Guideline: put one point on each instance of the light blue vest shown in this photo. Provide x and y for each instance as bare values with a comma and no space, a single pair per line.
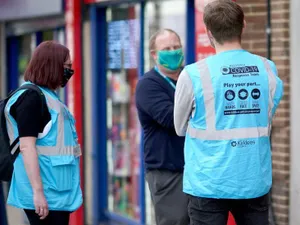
227,145
58,154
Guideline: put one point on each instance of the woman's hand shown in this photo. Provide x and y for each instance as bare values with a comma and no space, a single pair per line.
40,204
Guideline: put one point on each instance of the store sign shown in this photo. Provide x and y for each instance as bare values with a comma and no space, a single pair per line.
23,9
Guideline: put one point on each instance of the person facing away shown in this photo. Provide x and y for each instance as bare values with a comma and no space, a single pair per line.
163,149
224,107
46,177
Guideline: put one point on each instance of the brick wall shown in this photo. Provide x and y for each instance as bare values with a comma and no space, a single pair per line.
254,40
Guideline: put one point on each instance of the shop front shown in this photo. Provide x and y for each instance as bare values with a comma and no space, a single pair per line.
117,56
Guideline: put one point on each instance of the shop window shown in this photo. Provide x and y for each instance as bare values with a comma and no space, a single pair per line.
123,144
48,35
26,47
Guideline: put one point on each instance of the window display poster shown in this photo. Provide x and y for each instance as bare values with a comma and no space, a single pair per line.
203,47
114,44
123,41
120,89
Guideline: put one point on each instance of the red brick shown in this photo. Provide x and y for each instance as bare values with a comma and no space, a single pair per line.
255,18
280,15
279,7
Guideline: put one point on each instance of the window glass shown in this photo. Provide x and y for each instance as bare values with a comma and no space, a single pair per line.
123,144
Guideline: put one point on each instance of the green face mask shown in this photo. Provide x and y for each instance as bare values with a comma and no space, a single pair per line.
170,59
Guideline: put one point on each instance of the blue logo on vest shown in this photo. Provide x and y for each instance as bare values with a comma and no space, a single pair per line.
238,69
225,70
243,94
255,94
229,95
242,144
233,144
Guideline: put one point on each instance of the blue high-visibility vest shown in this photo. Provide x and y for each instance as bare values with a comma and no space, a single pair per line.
58,154
227,145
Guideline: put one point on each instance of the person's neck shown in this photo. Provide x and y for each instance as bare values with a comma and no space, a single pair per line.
228,46
171,74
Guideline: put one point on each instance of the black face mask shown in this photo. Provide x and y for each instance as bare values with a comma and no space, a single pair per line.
68,73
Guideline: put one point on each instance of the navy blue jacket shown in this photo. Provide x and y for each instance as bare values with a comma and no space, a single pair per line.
163,149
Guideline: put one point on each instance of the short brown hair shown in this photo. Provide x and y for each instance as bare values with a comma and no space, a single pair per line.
46,67
224,19
152,42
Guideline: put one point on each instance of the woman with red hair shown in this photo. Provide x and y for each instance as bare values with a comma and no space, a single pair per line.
46,179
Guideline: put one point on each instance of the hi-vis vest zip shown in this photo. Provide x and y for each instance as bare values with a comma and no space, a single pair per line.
58,153
227,146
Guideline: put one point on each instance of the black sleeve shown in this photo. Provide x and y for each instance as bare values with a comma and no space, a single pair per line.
152,99
27,111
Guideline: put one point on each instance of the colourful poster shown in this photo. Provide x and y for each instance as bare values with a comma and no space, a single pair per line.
203,47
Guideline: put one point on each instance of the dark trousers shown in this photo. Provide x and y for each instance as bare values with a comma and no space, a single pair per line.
54,218
3,217
170,203
208,211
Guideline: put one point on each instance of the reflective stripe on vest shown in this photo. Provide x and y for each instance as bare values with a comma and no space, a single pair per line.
210,133
60,148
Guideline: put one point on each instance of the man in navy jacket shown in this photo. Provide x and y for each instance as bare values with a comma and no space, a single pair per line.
164,160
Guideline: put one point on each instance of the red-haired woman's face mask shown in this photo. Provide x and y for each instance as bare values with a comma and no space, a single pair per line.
68,73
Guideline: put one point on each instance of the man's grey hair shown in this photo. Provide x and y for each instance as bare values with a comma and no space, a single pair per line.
152,42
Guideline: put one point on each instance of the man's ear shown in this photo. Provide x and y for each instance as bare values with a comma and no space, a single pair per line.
207,31
244,27
210,37
154,55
